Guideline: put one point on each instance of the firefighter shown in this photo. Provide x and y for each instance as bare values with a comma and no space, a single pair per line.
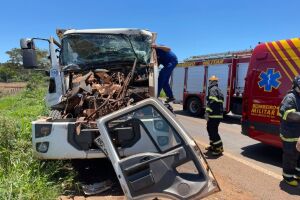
289,133
169,60
214,113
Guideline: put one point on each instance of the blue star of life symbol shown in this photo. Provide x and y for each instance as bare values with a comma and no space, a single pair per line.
269,80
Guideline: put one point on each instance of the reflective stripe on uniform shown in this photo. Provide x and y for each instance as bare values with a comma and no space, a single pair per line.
217,142
215,116
288,139
298,169
215,99
219,149
208,109
287,112
288,175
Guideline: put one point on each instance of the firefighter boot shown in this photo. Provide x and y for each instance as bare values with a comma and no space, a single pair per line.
297,176
210,147
217,151
171,99
292,182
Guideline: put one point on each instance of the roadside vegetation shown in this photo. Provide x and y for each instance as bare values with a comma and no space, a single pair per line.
12,70
21,175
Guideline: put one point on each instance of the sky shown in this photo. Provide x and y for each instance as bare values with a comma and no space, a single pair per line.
189,27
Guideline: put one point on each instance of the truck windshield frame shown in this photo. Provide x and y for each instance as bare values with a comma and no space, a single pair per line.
87,49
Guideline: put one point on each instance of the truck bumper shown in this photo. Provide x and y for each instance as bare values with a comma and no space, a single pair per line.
56,144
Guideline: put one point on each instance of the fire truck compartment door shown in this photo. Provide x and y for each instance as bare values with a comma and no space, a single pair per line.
178,83
169,165
221,71
242,69
195,79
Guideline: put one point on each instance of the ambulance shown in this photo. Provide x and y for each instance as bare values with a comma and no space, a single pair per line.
272,67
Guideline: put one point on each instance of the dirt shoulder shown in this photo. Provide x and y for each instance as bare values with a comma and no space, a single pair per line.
228,191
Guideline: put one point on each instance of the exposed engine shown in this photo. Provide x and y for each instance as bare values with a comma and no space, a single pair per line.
99,92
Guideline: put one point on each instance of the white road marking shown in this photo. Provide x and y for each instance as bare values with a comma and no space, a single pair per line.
245,162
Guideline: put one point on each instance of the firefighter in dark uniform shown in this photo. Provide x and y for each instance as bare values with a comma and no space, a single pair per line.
290,133
214,113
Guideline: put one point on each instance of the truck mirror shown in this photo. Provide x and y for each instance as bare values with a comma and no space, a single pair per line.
28,53
47,72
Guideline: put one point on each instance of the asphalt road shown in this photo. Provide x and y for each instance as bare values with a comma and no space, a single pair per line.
249,167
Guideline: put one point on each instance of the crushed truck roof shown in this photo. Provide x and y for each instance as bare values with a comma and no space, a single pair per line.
127,31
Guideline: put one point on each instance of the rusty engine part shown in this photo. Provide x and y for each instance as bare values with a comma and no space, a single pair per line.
100,92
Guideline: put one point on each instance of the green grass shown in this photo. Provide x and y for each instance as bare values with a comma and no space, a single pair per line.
21,175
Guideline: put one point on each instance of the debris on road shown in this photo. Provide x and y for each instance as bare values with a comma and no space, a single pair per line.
96,188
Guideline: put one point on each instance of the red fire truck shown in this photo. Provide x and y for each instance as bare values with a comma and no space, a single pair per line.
273,66
190,80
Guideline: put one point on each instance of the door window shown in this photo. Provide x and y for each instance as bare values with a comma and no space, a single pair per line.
142,130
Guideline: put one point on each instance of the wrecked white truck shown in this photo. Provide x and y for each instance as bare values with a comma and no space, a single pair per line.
102,93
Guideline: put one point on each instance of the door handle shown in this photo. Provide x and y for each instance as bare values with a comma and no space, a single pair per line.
146,158
147,162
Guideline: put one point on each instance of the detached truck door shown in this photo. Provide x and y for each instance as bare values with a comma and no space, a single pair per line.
162,167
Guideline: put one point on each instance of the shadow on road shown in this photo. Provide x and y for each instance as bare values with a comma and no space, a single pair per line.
270,155
181,112
97,170
289,189
232,119
228,119
263,153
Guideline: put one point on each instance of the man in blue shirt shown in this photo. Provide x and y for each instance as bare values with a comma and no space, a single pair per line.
169,60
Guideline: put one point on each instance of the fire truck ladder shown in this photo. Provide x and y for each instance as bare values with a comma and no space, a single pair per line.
229,54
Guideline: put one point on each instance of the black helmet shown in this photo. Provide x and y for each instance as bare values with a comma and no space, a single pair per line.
296,82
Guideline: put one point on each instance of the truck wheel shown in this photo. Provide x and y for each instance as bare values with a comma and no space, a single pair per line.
194,107
55,114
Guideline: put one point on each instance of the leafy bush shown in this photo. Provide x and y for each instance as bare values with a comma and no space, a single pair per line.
21,175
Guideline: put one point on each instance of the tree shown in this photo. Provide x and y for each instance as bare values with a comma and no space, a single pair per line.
16,60
6,73
12,70
15,56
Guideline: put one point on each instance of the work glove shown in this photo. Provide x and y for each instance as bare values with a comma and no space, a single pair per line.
298,145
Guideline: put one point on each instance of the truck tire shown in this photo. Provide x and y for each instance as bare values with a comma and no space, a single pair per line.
55,114
194,107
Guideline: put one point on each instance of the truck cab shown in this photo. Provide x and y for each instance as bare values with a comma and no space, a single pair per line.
93,72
